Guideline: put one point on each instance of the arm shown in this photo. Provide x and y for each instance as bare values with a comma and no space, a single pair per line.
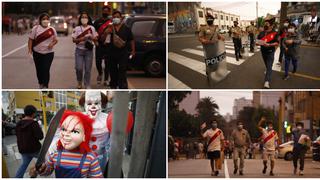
202,130
133,48
232,139
37,131
94,169
30,46
262,120
220,37
54,42
222,141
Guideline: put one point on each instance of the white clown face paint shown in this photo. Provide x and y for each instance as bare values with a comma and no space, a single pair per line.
93,103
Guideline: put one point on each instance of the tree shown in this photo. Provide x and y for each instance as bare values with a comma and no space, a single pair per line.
207,110
175,97
182,124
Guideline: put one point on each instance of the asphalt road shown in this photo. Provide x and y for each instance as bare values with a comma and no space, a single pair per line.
186,68
18,70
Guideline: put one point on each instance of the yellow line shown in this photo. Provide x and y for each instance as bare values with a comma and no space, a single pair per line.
304,76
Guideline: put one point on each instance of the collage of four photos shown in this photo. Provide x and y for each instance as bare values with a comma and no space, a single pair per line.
160,89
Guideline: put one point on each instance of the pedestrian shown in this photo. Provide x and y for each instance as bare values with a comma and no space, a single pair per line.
240,141
300,147
268,40
28,134
73,157
84,36
201,150
20,26
314,24
282,34
270,142
42,39
101,25
252,31
291,45
236,38
215,138
119,54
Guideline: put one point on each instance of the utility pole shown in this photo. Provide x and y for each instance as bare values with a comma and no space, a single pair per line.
281,118
283,13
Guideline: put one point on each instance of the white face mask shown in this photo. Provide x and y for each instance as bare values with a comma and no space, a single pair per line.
45,23
291,30
299,127
116,20
93,103
84,21
286,24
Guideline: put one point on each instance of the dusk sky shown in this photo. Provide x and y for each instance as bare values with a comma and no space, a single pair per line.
225,99
246,9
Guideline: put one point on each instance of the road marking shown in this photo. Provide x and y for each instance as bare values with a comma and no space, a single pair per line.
15,50
188,62
304,76
175,83
226,171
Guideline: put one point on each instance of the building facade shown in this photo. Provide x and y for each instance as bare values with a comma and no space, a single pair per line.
239,104
267,99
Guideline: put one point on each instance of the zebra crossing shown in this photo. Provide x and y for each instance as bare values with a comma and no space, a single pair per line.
198,65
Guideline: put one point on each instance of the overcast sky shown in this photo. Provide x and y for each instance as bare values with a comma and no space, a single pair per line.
225,99
246,9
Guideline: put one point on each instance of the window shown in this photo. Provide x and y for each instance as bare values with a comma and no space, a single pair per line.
216,16
231,18
143,28
236,19
227,18
221,17
200,14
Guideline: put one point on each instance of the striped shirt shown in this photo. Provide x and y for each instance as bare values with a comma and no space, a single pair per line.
90,169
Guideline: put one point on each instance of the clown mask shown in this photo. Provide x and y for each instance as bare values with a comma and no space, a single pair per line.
71,133
93,103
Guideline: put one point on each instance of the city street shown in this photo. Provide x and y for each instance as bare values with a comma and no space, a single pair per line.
18,70
186,67
200,168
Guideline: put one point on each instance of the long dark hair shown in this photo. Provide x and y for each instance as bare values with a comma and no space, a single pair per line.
89,18
43,15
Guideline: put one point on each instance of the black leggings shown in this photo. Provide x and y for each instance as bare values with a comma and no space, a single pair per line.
43,63
118,70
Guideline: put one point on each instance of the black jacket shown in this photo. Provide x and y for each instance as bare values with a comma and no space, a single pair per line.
28,134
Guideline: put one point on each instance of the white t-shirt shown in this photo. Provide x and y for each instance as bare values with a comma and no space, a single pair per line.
216,144
42,47
270,144
80,29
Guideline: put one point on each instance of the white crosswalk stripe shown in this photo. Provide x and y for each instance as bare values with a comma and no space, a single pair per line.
174,83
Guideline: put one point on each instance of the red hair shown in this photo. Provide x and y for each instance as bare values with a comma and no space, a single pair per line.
86,122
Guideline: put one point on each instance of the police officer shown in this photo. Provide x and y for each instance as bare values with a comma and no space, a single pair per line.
240,141
268,40
252,30
236,37
208,34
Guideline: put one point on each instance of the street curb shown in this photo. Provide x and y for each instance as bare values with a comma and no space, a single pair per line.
310,45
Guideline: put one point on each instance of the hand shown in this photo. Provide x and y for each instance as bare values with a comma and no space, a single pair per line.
203,125
50,46
266,45
33,172
88,36
289,41
133,53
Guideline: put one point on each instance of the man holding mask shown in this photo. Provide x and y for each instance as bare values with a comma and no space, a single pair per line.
240,141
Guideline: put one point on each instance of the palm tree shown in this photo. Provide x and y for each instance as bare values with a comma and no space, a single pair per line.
207,110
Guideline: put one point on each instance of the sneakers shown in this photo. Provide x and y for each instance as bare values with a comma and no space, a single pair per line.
285,78
266,85
240,56
99,79
241,173
216,173
105,83
295,171
271,173
235,171
300,173
264,170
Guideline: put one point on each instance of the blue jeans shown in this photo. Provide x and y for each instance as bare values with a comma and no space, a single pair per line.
84,60
287,64
268,58
26,159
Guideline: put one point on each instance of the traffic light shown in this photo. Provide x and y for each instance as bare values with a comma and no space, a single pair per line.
285,124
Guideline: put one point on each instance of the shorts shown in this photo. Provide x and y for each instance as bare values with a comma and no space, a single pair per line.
213,154
268,154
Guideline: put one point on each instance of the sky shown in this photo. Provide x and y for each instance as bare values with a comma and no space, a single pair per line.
246,9
225,99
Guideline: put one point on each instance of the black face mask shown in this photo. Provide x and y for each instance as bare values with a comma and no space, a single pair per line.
209,23
266,27
105,15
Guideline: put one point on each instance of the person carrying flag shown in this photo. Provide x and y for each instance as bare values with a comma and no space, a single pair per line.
270,142
215,145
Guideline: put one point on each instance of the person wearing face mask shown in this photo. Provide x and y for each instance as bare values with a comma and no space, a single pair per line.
236,38
252,30
291,45
268,40
84,35
240,141
270,144
299,147
282,34
101,25
42,39
215,146
119,56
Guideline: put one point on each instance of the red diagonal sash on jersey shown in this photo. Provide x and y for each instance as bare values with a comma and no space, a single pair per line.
103,27
270,136
214,137
43,36
87,31
269,37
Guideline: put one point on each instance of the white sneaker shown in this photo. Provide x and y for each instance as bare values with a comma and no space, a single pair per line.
266,85
301,173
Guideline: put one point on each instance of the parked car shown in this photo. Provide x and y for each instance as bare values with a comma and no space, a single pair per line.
150,37
286,151
59,23
316,149
171,27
